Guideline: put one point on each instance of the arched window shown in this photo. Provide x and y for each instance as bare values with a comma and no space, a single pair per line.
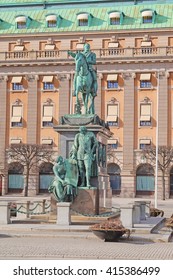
144,179
171,181
45,176
15,176
115,177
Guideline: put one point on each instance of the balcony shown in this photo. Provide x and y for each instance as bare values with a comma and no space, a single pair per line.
121,55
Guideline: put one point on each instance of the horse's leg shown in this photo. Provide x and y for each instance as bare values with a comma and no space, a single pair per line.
87,100
84,102
91,108
78,108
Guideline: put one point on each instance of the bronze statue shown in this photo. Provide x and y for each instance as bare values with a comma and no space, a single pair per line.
85,79
64,185
84,150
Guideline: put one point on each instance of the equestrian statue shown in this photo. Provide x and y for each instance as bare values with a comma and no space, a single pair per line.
85,79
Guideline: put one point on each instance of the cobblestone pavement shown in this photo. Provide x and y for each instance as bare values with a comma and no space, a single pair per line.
13,247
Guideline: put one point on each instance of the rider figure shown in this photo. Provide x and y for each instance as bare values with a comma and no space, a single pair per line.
91,60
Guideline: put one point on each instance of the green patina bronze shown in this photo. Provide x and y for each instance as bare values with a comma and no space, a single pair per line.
85,79
64,185
78,169
84,151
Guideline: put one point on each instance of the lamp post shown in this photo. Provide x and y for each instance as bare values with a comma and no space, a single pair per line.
157,142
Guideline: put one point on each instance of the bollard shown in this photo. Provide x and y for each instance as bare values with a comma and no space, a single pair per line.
63,213
137,212
4,213
126,215
143,210
147,209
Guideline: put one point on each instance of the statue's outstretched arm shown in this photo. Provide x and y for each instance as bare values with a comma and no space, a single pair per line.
72,54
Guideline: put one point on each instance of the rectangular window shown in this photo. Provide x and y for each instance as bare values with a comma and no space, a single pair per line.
112,84
112,114
83,22
144,143
147,19
17,83
48,86
17,86
21,25
113,144
16,119
145,84
112,81
48,83
145,80
115,21
51,23
47,120
145,114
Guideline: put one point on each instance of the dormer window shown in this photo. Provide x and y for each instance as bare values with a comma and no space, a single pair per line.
21,22
83,19
51,20
148,16
116,18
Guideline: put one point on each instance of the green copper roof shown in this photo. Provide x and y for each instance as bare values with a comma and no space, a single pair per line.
99,19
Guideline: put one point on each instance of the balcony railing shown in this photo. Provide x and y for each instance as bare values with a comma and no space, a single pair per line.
124,54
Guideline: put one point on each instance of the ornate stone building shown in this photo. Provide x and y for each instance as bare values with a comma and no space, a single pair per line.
133,41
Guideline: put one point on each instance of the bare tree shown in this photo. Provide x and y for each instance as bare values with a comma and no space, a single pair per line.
29,156
165,158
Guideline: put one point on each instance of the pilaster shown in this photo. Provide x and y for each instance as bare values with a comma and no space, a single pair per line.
128,146
3,121
32,109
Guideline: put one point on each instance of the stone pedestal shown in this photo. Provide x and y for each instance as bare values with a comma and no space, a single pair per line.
4,213
86,202
63,213
100,197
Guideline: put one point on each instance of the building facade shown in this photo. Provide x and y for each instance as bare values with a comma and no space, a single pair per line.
133,42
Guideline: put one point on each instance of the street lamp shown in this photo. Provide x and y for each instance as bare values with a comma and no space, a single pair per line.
157,142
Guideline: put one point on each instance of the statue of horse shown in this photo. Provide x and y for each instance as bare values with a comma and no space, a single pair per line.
84,84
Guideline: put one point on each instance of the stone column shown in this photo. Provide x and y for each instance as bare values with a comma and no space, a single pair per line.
128,185
3,123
